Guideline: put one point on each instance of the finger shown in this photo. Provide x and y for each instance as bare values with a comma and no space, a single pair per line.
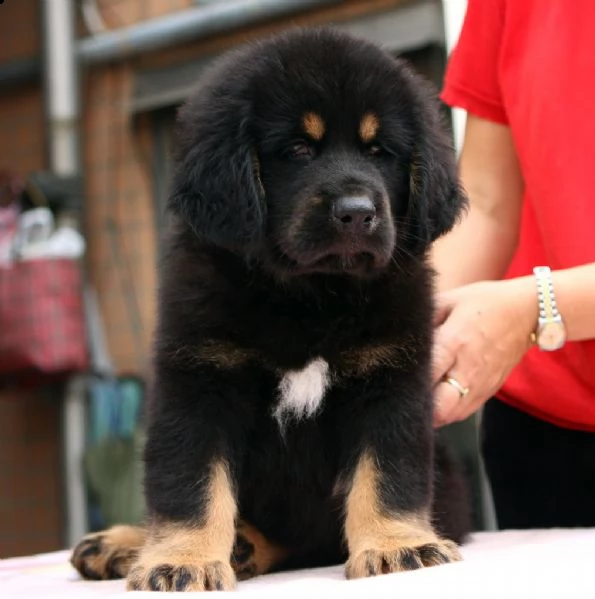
441,313
446,400
443,357
469,405
442,308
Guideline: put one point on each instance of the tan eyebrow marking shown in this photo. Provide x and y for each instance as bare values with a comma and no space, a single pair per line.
368,128
314,125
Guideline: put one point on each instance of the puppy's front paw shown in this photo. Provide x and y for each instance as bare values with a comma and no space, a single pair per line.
175,575
372,562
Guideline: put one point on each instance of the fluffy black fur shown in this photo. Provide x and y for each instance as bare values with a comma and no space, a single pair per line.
256,262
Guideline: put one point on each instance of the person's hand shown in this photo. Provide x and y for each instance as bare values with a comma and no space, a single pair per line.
482,331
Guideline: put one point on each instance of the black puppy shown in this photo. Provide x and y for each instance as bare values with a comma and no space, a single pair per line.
292,406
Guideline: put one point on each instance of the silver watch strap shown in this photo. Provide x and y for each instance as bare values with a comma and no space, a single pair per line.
546,297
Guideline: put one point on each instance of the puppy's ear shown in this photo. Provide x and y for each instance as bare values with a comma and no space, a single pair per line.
216,185
436,198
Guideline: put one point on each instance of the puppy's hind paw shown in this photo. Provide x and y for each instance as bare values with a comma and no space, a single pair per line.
109,554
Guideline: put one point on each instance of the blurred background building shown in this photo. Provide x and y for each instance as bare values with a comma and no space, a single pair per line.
88,93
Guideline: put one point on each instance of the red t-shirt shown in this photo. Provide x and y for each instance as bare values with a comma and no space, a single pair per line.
530,64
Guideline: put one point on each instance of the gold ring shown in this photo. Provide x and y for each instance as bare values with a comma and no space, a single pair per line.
463,391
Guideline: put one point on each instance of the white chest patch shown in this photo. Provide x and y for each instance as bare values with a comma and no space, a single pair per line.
301,391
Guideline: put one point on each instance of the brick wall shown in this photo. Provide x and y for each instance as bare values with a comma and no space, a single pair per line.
19,25
120,13
22,140
30,481
119,217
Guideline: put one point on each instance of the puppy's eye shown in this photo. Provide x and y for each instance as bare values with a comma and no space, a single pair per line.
375,150
302,150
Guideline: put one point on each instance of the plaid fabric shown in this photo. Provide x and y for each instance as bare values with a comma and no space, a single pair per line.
42,325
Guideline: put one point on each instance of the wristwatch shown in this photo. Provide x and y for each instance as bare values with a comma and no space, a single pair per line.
550,333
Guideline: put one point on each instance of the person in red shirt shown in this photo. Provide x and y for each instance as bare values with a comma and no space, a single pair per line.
524,70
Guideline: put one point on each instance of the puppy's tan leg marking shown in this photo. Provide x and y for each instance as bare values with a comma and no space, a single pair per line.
189,557
380,542
108,554
253,554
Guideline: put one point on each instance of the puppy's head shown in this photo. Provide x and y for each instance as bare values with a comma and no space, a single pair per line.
313,152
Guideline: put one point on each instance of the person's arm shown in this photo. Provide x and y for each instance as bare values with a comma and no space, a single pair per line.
483,324
482,245
575,297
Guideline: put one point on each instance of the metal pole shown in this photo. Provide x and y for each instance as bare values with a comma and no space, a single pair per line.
63,113
61,86
188,25
454,13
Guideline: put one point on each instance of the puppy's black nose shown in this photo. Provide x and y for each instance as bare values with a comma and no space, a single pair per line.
354,214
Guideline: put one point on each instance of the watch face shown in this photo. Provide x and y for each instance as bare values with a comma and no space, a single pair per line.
552,335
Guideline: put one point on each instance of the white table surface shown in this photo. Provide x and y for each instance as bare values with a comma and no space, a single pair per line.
505,564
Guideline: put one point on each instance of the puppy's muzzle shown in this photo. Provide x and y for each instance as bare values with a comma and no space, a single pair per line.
354,215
